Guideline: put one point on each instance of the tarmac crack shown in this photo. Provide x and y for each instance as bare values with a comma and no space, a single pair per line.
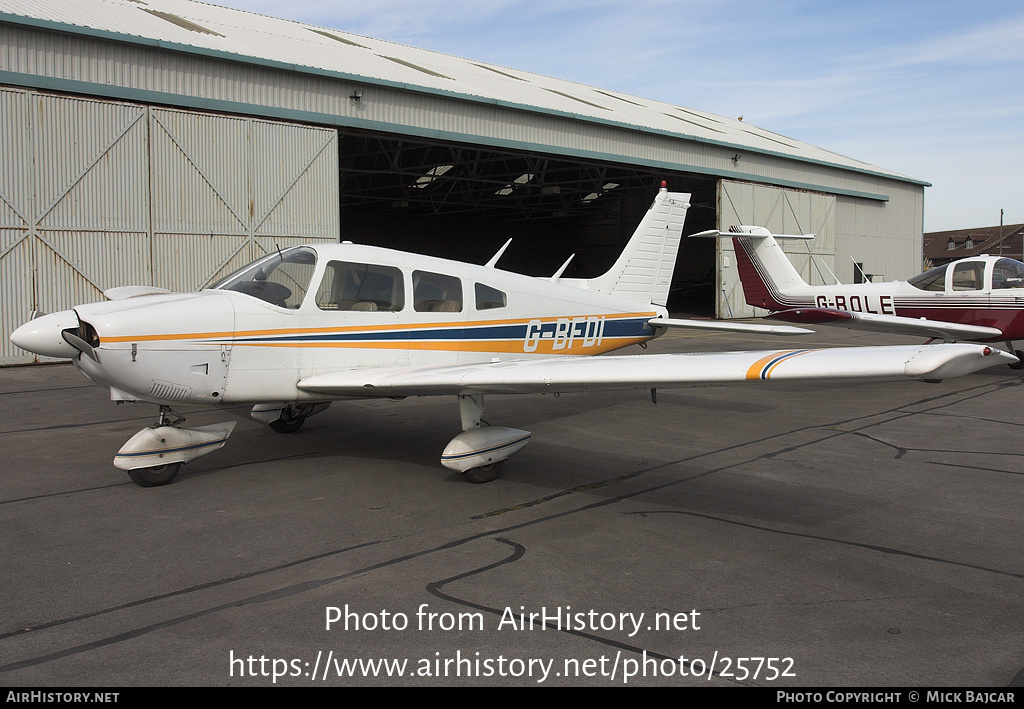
519,551
837,540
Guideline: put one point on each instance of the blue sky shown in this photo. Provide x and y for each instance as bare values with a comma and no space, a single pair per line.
933,90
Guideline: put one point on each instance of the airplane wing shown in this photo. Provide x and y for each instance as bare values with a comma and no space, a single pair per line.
895,324
728,326
576,374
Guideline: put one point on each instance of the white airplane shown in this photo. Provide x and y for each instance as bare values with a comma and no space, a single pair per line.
980,299
307,325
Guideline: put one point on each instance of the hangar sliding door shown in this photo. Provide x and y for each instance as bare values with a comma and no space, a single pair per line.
781,211
73,204
16,200
227,190
97,194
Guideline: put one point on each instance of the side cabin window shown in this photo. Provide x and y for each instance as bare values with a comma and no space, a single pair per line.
436,292
361,286
488,298
969,276
1008,273
934,279
280,278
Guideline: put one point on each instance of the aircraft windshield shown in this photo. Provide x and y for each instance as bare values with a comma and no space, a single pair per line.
935,279
281,278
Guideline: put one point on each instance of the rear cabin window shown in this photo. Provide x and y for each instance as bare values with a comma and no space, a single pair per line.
969,276
361,286
1008,273
436,292
488,298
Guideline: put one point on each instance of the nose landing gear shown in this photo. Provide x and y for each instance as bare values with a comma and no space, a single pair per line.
154,455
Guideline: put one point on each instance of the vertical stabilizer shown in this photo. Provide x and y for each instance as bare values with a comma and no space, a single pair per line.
765,270
643,271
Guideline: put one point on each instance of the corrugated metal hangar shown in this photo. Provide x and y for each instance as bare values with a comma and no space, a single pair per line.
167,142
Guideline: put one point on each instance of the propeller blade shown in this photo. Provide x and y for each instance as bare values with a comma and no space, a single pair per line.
72,338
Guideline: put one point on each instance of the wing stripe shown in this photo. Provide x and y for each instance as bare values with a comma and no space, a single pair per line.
762,368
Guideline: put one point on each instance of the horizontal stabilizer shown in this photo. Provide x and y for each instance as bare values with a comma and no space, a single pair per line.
895,324
752,232
728,326
765,271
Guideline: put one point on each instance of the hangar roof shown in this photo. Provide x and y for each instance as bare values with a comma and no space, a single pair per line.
236,35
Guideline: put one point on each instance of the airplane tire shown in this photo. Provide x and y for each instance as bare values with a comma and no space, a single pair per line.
1020,356
156,476
288,425
485,473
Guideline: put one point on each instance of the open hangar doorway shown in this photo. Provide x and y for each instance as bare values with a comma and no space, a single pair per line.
462,202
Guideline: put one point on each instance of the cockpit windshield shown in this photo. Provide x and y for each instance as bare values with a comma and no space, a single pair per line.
281,278
934,279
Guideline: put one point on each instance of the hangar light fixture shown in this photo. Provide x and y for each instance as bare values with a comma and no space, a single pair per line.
509,188
431,175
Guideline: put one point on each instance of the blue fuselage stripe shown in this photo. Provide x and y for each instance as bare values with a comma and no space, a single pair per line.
633,327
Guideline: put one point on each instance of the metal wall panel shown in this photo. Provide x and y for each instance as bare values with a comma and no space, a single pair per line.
884,237
96,194
70,173
781,211
297,194
16,299
91,203
200,196
227,190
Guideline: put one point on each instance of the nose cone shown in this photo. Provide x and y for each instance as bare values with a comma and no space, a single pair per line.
43,335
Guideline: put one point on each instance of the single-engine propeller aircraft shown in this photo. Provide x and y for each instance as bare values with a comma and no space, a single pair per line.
980,299
310,324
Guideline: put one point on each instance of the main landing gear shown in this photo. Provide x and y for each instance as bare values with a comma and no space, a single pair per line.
287,418
156,476
484,473
288,423
480,452
1019,354
154,455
